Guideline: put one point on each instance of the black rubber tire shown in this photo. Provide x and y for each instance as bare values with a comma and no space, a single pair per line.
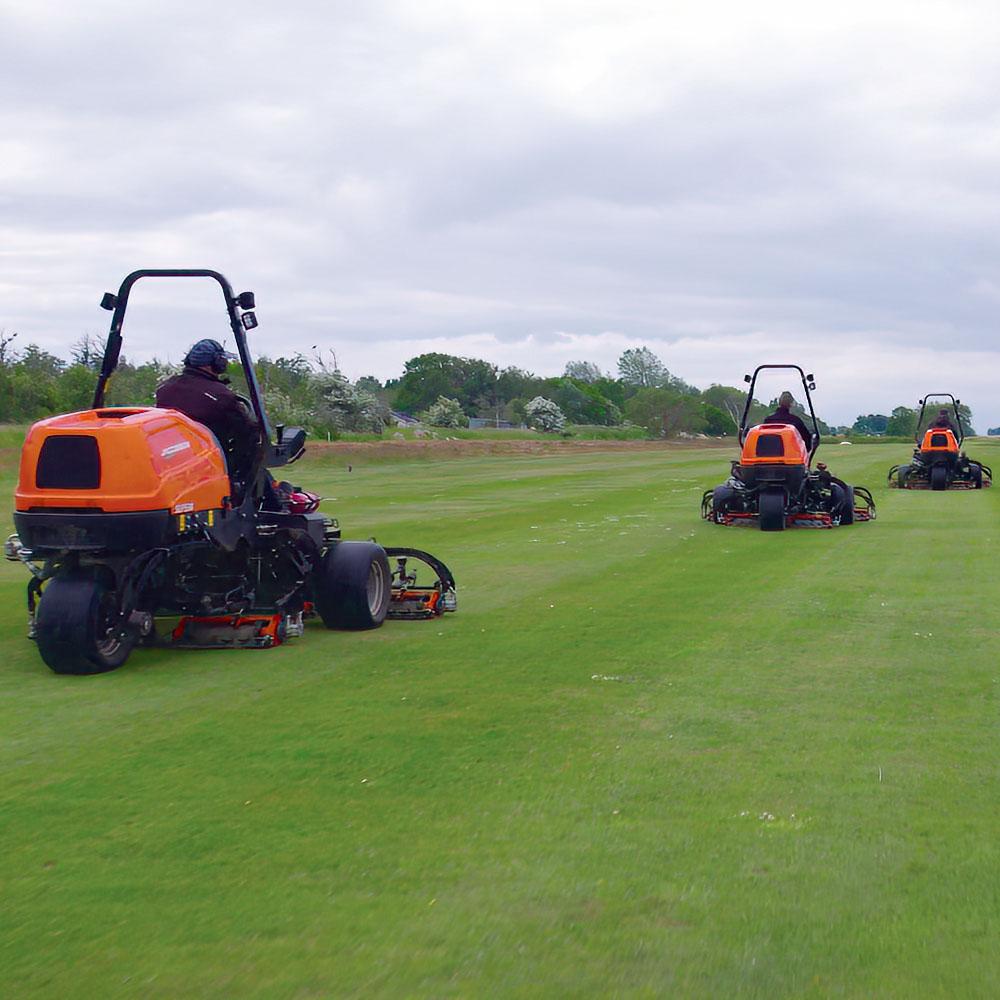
71,629
721,496
771,510
902,475
939,477
847,510
353,586
976,475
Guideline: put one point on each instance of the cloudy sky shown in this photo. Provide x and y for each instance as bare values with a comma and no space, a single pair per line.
527,182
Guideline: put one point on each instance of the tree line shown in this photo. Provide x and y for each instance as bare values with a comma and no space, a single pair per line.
441,389
902,422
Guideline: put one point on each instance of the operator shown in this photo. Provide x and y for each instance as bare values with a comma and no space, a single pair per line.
783,415
944,420
201,393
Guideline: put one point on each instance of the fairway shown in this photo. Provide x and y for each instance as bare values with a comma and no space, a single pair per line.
649,756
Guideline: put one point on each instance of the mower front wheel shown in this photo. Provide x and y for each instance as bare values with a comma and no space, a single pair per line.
73,627
939,477
353,586
772,510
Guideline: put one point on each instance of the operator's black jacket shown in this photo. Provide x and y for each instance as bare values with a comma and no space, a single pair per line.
204,397
784,416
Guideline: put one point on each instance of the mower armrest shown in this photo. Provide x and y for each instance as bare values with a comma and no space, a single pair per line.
290,447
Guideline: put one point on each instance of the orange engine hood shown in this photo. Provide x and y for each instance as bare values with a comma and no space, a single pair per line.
940,439
136,458
774,444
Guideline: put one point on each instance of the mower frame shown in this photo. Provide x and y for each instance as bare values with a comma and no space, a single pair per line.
122,573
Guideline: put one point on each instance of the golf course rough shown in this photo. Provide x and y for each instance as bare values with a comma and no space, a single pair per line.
649,756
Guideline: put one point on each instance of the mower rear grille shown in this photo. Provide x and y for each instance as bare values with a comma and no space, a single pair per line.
770,446
69,462
939,440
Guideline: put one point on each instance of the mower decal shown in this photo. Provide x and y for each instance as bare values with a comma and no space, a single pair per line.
175,449
183,508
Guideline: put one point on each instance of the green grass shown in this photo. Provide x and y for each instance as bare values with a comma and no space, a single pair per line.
649,757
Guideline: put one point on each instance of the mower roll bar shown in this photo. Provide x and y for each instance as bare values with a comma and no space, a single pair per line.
241,318
808,382
954,407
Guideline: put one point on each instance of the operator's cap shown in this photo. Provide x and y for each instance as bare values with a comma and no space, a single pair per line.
205,353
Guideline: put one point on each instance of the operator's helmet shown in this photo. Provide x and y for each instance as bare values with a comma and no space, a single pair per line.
209,354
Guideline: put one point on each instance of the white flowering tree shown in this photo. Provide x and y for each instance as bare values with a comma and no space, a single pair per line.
544,415
347,408
445,412
283,409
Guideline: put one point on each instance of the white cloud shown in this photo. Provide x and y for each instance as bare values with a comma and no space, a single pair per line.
726,182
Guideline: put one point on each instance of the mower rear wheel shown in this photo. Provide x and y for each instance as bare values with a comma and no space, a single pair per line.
939,477
847,510
73,627
721,498
353,586
771,510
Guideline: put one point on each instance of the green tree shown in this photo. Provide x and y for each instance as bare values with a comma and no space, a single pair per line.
902,423
639,366
583,371
731,401
514,383
871,424
428,376
75,389
665,412
717,422
581,402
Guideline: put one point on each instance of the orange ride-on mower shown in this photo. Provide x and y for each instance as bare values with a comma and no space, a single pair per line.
938,461
126,515
772,482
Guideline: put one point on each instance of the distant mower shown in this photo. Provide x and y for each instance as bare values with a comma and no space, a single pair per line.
130,515
938,461
773,483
